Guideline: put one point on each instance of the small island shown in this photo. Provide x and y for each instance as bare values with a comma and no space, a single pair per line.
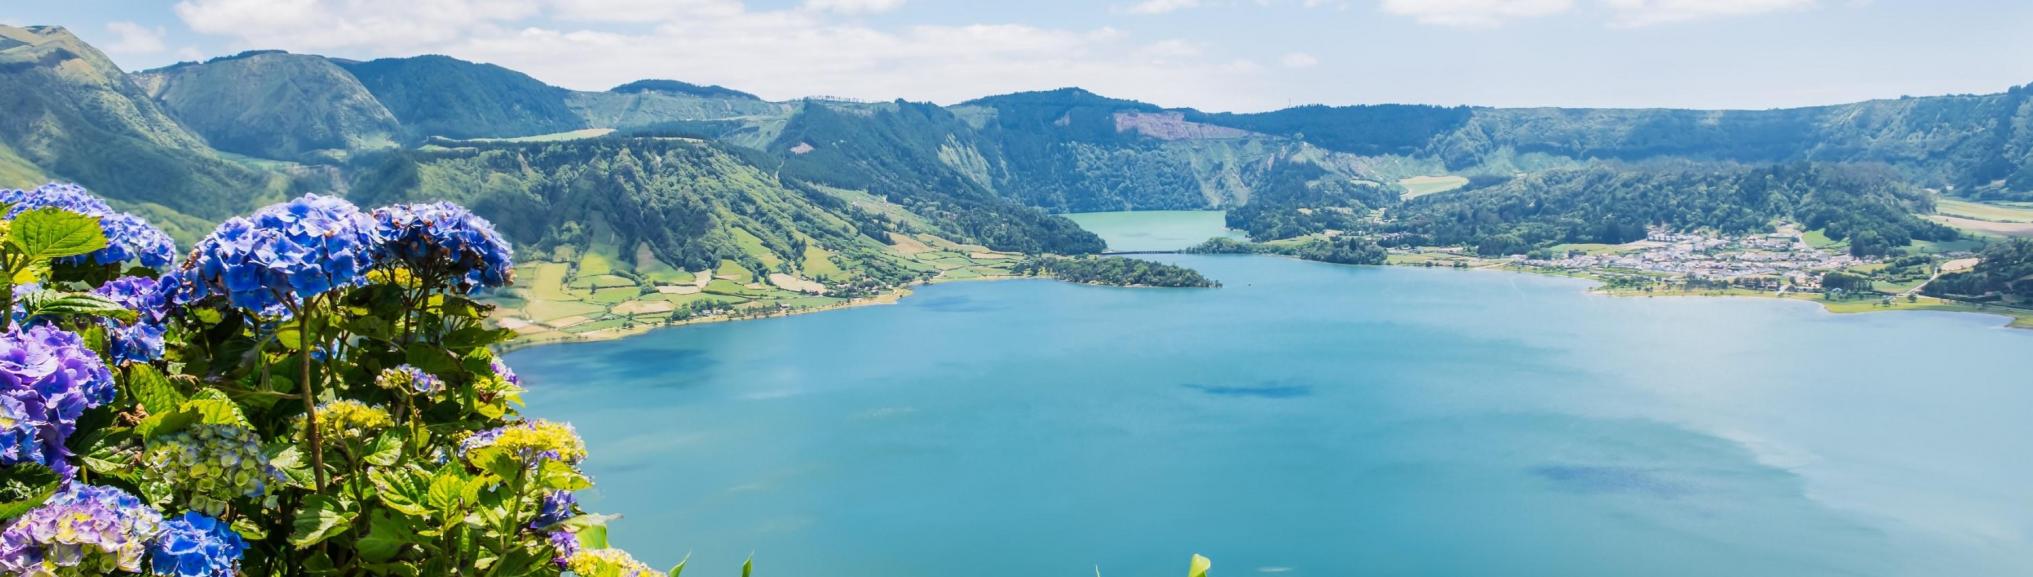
1342,249
1113,271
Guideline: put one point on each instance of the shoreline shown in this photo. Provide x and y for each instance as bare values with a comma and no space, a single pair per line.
887,298
2013,317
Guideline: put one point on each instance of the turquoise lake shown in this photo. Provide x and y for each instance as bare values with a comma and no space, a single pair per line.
1311,419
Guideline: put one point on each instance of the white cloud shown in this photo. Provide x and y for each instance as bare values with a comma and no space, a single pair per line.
778,53
1161,6
854,6
1648,12
1298,60
131,38
1473,13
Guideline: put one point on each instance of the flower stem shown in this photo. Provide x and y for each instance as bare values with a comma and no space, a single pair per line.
303,319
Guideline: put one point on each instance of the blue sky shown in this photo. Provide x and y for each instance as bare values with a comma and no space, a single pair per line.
1212,54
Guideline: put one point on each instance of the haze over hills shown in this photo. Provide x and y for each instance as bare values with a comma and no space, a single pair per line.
985,171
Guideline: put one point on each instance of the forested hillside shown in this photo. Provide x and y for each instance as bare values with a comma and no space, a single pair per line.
689,205
1868,205
989,171
71,114
443,96
275,105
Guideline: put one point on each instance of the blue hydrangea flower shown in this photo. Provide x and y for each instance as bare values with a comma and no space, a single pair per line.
141,340
196,545
19,436
442,238
55,378
82,530
411,378
555,508
128,237
295,250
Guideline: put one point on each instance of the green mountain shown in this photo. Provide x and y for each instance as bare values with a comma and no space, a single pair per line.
275,105
71,114
661,204
443,96
988,171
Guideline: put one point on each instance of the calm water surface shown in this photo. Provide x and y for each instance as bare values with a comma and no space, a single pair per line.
1147,230
1312,419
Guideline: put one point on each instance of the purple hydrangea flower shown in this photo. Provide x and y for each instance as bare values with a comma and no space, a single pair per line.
445,238
83,529
564,544
555,508
128,237
296,250
54,378
196,545
507,374
141,340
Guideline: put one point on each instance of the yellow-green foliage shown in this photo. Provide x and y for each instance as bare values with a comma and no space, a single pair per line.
1983,211
753,246
819,264
730,270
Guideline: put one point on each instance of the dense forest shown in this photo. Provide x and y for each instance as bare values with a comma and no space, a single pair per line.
1113,271
1868,205
888,151
690,204
1343,249
2006,269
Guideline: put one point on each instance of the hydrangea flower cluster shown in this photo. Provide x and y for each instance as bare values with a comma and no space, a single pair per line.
128,237
608,562
196,545
298,249
20,441
531,442
564,546
216,463
52,378
409,378
82,530
501,370
445,236
141,340
555,508
348,419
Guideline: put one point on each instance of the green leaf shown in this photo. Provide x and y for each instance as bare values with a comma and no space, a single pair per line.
1199,567
431,359
48,303
748,566
475,337
319,519
12,509
558,476
679,569
447,493
593,537
49,233
405,490
385,537
155,392
386,449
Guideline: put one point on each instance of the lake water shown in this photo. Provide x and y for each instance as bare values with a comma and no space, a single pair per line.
1312,419
1148,230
